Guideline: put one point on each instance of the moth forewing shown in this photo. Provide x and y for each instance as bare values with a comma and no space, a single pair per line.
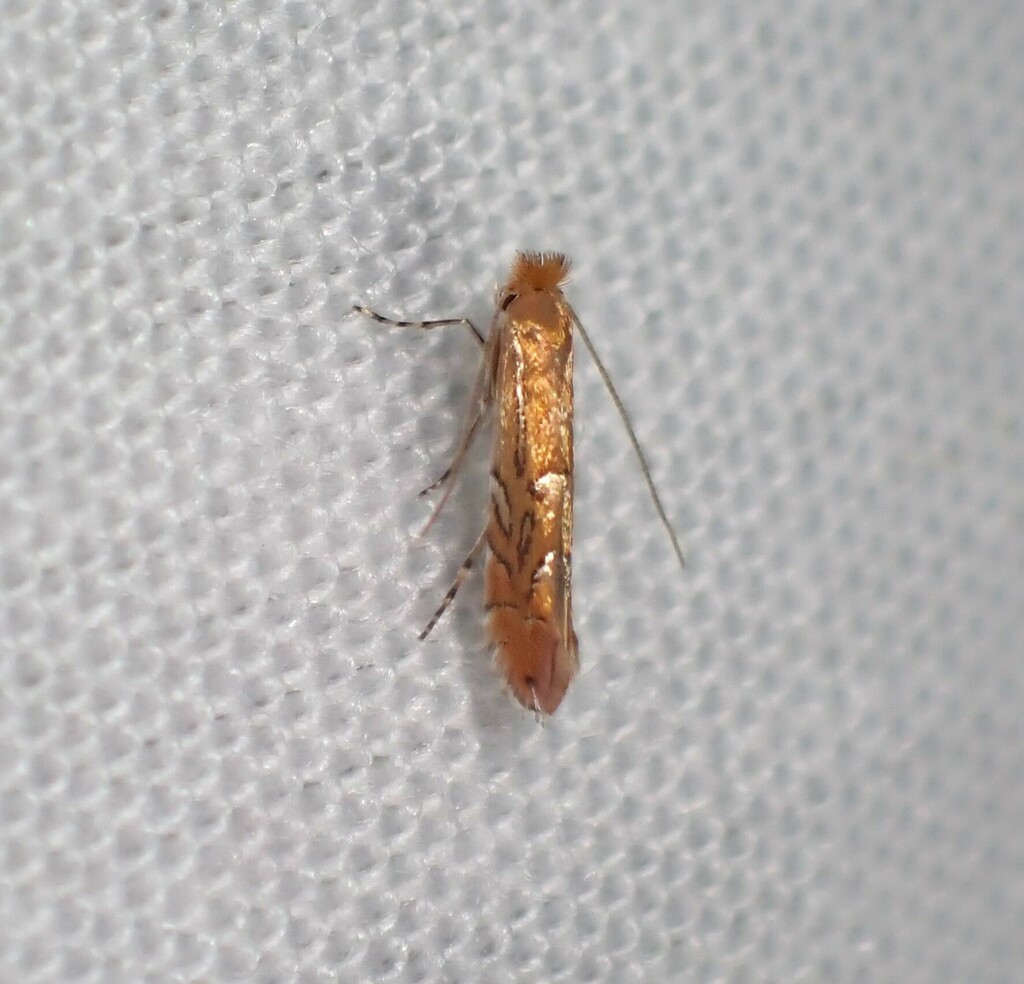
528,589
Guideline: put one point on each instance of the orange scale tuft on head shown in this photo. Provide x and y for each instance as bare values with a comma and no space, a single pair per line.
537,271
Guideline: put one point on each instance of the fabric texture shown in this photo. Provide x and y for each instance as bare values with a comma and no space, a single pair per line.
798,236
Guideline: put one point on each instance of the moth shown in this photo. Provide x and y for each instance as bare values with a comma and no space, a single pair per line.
526,378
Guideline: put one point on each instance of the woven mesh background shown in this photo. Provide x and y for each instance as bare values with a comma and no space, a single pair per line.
798,230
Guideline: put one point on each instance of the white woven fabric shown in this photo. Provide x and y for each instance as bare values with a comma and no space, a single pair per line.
798,230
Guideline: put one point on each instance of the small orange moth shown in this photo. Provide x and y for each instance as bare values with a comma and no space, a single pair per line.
526,371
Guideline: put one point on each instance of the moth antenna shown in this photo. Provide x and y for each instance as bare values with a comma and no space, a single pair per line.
607,380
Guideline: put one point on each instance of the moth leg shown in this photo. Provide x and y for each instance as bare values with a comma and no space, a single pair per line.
479,402
456,584
452,471
423,325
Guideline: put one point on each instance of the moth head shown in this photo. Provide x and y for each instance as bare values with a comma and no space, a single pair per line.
544,272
